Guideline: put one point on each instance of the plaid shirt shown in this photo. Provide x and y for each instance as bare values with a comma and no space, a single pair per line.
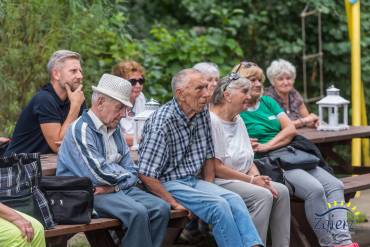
20,176
173,146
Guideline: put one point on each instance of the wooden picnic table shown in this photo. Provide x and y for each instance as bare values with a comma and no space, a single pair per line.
317,136
326,140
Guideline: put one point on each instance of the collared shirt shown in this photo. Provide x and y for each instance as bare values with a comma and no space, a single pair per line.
111,153
83,153
173,146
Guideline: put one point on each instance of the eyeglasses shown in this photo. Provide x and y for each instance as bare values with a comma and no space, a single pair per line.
245,64
233,76
134,81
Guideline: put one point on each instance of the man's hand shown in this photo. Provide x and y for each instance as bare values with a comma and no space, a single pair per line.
4,139
105,189
178,206
76,97
25,227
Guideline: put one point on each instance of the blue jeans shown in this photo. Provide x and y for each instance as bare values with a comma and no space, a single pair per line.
223,209
144,216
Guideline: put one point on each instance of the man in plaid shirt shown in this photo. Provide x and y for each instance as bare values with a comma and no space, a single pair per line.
176,145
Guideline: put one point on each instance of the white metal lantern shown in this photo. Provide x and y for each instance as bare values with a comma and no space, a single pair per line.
139,120
330,109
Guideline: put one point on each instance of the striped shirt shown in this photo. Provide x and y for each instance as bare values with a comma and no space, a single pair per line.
173,146
85,152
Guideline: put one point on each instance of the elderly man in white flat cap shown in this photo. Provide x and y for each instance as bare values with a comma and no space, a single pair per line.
93,147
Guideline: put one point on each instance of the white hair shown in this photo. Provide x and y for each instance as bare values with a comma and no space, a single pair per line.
279,67
207,68
59,57
182,78
228,84
97,95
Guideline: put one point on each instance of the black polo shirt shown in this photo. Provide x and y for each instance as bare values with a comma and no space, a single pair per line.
44,107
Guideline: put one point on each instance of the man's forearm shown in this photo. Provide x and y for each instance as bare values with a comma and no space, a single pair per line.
155,186
72,116
208,171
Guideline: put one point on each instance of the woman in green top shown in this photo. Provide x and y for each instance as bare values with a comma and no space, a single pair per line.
270,128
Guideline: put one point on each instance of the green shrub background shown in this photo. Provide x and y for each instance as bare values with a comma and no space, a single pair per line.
166,36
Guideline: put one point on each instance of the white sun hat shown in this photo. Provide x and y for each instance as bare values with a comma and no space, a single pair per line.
115,87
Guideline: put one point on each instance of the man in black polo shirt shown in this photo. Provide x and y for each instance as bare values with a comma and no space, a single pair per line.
44,121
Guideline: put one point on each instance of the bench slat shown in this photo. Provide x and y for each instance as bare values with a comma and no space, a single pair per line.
96,224
356,183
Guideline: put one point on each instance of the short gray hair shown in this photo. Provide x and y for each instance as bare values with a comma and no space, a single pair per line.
96,95
279,67
181,78
60,56
207,68
228,84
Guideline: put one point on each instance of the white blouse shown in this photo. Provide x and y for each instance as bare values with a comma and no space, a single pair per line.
232,144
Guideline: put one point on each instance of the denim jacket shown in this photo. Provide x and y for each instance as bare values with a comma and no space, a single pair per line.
83,153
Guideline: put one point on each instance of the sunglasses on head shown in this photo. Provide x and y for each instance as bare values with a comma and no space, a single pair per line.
233,76
245,64
134,81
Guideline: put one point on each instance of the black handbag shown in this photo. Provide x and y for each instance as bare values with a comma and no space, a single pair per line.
291,158
266,167
70,198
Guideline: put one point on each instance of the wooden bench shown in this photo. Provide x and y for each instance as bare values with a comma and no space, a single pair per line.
97,232
301,233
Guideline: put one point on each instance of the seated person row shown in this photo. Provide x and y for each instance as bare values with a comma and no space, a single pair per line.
176,145
267,201
46,118
281,75
271,128
19,229
94,147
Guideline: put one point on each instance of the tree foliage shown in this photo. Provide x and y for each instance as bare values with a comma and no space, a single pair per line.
166,36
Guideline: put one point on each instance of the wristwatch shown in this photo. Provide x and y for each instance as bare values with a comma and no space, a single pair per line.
116,188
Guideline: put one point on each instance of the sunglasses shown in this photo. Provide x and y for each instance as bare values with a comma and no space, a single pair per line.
245,64
135,81
233,76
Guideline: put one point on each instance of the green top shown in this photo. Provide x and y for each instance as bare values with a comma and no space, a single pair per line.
262,121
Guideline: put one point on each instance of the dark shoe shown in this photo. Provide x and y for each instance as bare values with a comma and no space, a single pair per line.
190,236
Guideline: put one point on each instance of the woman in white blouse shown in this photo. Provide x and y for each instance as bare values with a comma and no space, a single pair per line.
267,201
134,73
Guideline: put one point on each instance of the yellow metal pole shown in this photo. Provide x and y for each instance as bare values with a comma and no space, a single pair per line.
356,80
365,142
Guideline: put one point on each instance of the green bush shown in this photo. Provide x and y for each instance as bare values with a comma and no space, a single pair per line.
166,36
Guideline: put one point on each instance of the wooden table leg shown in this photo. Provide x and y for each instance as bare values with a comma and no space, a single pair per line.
327,151
100,238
